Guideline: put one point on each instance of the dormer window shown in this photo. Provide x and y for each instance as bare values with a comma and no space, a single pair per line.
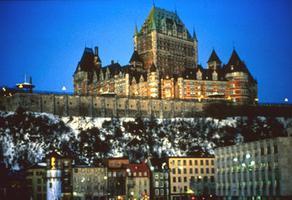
199,75
232,68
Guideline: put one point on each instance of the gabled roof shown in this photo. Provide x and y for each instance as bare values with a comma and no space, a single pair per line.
135,57
114,68
152,68
214,57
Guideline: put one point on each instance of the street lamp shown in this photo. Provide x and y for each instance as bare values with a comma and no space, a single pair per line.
105,187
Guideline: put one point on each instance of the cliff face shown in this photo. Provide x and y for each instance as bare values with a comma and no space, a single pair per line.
26,137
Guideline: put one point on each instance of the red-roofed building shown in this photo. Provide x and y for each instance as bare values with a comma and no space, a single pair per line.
138,181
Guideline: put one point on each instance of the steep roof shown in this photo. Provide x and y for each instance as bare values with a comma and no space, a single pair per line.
159,17
153,68
135,57
214,57
87,60
235,64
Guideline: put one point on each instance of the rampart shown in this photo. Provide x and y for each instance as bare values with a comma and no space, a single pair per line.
101,106
114,106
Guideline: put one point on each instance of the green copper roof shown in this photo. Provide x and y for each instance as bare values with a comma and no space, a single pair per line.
160,18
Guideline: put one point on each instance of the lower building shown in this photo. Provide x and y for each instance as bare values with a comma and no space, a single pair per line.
159,178
191,177
36,182
89,183
255,170
138,181
117,177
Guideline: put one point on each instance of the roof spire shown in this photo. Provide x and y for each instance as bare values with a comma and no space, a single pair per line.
153,3
136,29
194,35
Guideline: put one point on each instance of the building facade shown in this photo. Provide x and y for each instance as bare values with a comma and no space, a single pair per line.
191,177
255,170
89,183
117,175
138,181
164,65
159,178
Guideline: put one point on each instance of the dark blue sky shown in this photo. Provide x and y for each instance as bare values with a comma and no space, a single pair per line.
46,39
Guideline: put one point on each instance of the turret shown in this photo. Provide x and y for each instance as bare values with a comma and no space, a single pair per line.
239,80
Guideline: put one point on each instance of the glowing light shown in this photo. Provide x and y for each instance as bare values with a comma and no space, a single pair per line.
252,163
235,159
53,163
4,89
247,156
20,86
64,88
286,100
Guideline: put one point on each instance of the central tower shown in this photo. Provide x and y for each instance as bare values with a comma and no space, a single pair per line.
165,42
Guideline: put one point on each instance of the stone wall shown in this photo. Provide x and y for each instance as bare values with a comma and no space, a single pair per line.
101,106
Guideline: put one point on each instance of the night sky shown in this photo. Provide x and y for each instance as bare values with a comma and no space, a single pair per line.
46,39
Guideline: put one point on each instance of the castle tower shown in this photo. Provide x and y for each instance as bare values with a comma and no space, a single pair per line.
54,183
241,87
89,64
165,41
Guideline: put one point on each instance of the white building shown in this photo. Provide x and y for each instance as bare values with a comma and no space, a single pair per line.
255,170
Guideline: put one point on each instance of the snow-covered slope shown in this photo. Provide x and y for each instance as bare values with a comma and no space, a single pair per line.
26,137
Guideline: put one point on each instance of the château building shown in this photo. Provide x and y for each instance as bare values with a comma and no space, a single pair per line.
164,65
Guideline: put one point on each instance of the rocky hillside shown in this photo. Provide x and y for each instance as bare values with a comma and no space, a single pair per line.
25,137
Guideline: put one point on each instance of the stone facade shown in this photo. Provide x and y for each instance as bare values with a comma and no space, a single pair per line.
164,65
101,106
260,168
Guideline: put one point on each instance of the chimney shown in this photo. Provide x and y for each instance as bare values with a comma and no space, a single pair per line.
96,51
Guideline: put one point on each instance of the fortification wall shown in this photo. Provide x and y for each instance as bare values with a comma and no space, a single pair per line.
101,106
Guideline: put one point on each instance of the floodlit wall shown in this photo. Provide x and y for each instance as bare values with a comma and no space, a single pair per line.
101,106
